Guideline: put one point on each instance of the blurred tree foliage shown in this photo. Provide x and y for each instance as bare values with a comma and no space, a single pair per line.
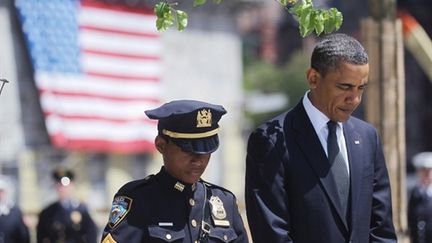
310,18
267,78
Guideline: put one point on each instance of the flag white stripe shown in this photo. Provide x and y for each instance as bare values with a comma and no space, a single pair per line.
98,86
118,20
98,130
88,106
120,66
113,42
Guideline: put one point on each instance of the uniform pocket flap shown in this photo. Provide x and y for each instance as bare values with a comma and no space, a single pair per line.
225,235
165,234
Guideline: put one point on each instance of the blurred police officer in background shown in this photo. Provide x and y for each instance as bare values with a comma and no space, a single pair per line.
175,205
67,220
420,201
12,227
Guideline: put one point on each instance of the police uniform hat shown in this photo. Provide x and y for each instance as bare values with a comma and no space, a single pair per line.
63,176
192,125
423,160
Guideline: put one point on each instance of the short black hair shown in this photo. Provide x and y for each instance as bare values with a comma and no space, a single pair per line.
333,49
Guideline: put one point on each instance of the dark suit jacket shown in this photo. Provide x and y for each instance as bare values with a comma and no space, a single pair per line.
420,215
67,225
291,194
12,227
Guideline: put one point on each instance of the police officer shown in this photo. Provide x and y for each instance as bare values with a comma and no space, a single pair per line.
66,220
420,201
12,227
175,205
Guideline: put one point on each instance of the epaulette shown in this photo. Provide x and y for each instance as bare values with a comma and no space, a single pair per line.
211,186
131,186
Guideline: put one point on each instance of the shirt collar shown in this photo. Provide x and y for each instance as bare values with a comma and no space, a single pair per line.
317,118
176,184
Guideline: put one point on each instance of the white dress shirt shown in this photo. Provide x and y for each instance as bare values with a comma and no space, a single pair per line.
319,122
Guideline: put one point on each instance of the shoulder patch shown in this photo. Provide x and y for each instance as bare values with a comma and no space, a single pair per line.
109,239
120,207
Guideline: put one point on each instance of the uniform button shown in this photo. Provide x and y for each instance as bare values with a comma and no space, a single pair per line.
168,236
225,237
194,223
191,202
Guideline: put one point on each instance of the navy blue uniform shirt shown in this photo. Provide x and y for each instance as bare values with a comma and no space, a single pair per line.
59,223
12,227
162,209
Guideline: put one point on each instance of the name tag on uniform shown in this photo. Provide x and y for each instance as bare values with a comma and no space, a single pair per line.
223,223
166,224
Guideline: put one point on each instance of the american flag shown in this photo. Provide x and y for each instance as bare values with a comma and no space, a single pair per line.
97,68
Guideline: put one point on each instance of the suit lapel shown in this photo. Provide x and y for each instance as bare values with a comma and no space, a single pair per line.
312,149
354,145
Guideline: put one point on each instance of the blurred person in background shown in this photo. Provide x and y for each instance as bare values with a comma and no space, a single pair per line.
67,220
176,205
12,226
420,201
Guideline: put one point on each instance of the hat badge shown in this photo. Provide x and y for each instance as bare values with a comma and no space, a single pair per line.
204,118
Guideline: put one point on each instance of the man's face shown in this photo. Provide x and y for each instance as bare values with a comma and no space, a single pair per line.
339,92
185,166
425,176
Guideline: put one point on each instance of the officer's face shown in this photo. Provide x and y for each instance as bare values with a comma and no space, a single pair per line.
425,176
64,191
185,166
2,195
339,92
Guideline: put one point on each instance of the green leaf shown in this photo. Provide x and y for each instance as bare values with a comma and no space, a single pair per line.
198,2
305,19
161,8
338,17
182,20
329,23
283,2
318,22
164,14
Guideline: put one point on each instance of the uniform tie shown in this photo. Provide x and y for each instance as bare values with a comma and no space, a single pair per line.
338,166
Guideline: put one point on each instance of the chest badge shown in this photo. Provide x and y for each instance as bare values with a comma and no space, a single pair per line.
76,217
217,208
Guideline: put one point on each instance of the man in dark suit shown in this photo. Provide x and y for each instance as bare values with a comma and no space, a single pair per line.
176,205
13,229
314,173
67,220
420,200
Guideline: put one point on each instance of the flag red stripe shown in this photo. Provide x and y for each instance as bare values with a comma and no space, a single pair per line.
121,32
98,118
124,77
92,145
123,55
99,96
147,10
